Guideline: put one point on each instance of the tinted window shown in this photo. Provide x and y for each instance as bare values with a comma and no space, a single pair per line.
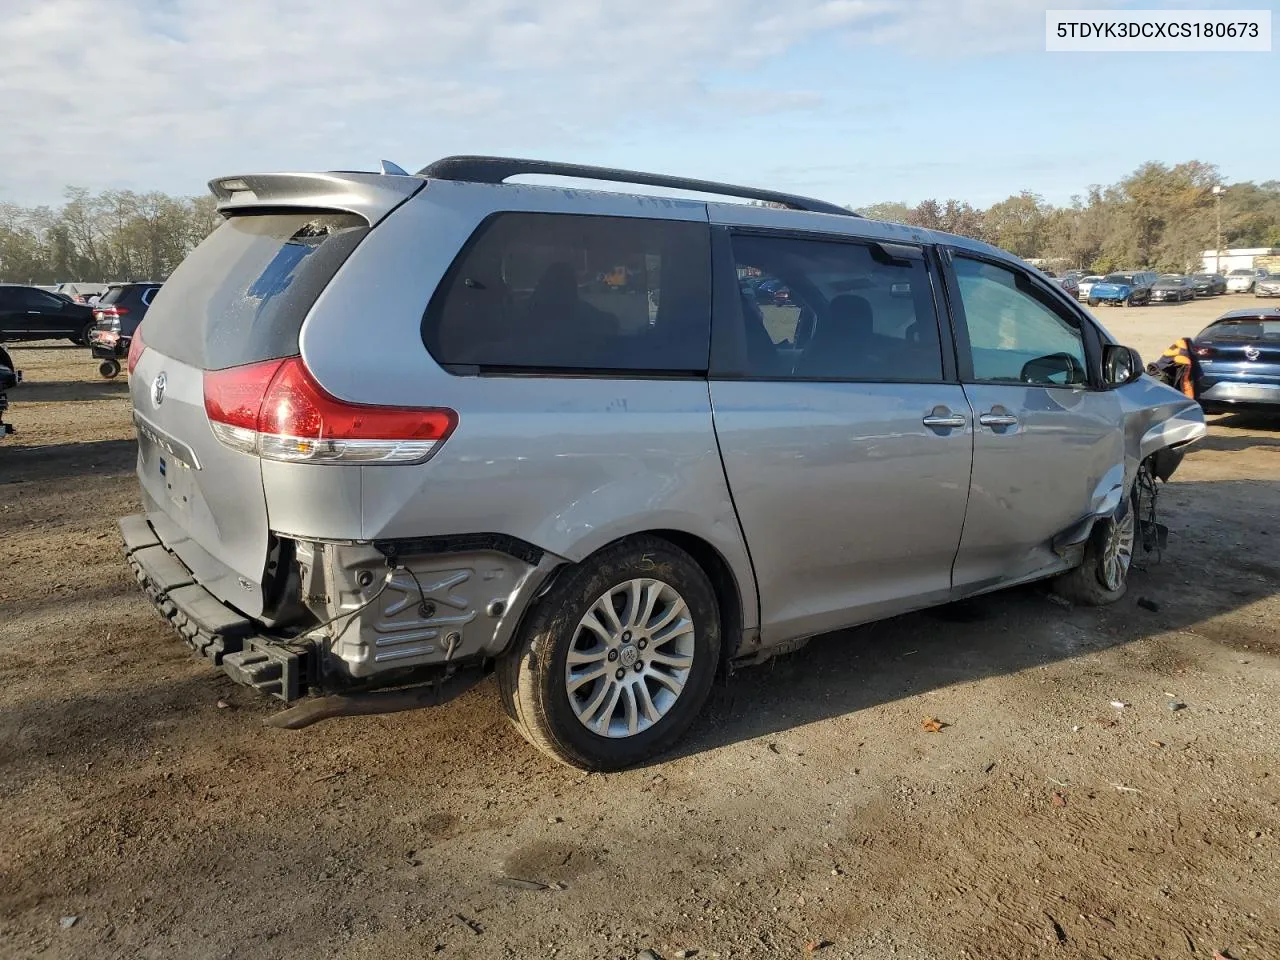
1014,336
536,291
112,295
241,296
823,310
148,293
1244,328
39,300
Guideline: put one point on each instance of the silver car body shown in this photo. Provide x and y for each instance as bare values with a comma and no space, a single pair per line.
814,505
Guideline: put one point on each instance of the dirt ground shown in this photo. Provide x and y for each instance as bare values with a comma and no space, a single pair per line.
809,809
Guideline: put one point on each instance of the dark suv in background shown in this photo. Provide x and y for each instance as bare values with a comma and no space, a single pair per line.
118,314
29,313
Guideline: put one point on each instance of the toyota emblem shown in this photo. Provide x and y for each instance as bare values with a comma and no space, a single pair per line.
157,388
1252,353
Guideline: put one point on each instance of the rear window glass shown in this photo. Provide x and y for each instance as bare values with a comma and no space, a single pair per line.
1242,329
242,295
553,292
111,296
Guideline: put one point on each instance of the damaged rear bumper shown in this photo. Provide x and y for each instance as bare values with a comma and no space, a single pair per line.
366,615
213,630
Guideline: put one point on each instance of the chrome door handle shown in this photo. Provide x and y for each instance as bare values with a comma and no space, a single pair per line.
998,420
945,422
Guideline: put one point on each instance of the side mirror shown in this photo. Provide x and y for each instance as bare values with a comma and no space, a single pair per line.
1120,365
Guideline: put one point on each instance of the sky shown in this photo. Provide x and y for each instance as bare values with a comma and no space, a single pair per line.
852,101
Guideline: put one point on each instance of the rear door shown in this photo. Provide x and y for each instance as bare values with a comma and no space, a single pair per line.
50,316
846,441
240,298
1048,441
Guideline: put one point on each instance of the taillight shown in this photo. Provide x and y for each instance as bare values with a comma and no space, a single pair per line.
275,409
136,346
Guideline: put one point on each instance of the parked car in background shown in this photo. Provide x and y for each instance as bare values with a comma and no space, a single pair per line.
1172,289
1085,284
10,377
773,291
1267,285
1209,284
1237,362
85,293
29,313
1125,289
1070,284
116,317
310,524
1241,280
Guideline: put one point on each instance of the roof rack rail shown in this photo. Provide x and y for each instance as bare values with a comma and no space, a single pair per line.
475,169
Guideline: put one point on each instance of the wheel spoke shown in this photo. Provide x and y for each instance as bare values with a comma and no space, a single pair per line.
578,657
589,711
647,708
605,606
652,594
591,622
674,660
678,629
605,717
677,609
635,597
629,710
578,680
672,683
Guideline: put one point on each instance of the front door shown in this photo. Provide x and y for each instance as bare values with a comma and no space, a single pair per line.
1048,443
846,445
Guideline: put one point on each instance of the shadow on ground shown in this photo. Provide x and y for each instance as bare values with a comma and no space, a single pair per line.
61,461
68,391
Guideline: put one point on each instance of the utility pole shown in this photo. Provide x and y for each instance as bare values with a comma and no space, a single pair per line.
1217,251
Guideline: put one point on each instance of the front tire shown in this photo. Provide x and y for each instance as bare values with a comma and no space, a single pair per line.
1103,574
617,660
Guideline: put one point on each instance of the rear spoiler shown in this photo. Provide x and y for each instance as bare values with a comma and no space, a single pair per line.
368,195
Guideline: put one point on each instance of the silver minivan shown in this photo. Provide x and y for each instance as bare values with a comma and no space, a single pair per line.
391,427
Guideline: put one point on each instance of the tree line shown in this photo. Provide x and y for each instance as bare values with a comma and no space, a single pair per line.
1159,216
100,237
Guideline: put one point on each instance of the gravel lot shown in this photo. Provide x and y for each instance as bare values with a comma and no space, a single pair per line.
810,812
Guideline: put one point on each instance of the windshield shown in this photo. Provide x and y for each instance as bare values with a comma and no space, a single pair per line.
111,296
1240,273
1119,278
1242,328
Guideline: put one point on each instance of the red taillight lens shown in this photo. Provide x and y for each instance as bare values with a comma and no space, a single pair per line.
136,346
112,311
277,410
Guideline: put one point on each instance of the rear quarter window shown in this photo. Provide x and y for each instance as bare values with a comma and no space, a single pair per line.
580,294
241,296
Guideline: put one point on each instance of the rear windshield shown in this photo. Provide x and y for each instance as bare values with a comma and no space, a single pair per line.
1242,329
111,296
581,294
242,295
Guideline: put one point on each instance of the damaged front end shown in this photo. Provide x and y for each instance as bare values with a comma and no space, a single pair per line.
1159,425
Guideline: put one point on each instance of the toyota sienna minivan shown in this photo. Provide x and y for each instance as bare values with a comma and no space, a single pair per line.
394,425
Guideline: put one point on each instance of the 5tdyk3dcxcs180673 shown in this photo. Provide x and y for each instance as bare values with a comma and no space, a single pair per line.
390,426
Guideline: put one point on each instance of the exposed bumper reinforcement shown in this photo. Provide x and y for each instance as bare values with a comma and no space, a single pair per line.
209,627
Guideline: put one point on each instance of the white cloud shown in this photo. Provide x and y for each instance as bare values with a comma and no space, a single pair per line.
167,93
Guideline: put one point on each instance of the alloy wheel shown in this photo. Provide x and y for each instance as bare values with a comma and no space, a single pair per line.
630,658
